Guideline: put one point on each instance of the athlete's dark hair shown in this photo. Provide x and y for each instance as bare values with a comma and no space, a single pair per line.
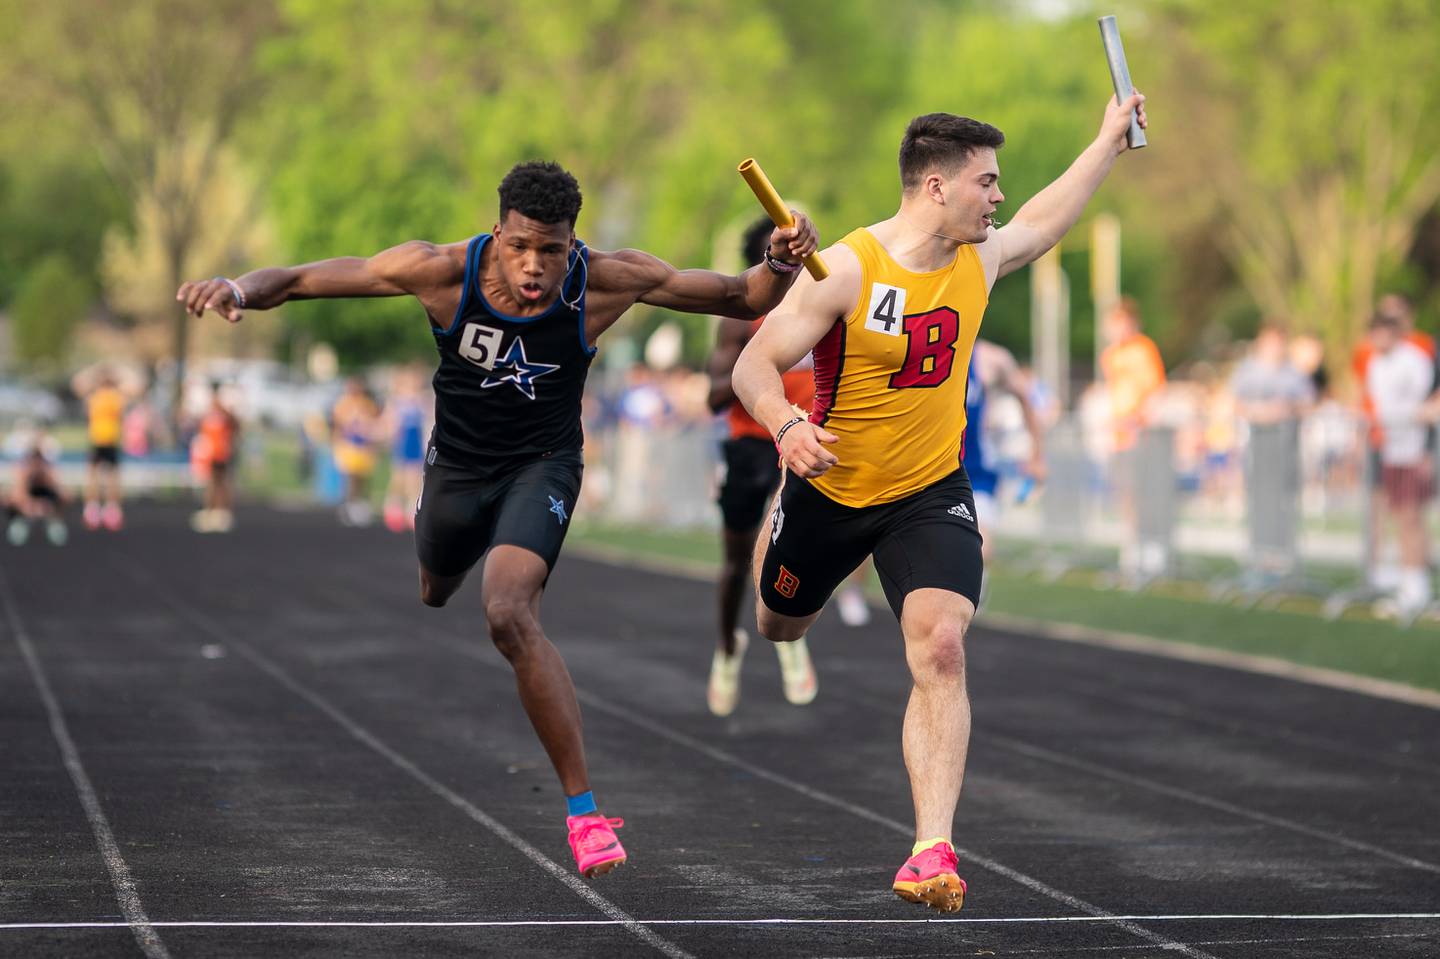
542,191
756,241
942,141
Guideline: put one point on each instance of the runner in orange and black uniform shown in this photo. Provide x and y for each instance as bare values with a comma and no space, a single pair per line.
749,480
213,454
876,467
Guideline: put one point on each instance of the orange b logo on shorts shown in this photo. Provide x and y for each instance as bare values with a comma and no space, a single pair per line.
787,583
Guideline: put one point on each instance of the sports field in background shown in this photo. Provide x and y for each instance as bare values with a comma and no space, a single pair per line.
1179,610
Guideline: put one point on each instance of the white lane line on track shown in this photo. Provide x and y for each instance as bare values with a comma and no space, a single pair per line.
1198,799
124,884
1070,633
599,704
772,921
272,669
1139,782
1068,952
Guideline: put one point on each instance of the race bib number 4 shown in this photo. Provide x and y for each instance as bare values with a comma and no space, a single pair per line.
886,311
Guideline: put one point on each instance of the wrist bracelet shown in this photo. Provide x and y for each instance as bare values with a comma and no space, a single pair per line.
778,265
781,435
235,290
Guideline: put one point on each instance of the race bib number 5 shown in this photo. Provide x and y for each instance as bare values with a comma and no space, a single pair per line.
479,344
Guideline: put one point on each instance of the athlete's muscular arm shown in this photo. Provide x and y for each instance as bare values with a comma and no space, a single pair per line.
630,276
1049,214
730,339
416,268
788,333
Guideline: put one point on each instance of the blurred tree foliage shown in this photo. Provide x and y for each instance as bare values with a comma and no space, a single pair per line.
1290,164
155,89
50,303
1311,152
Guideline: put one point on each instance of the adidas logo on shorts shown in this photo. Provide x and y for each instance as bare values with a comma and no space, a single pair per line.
961,511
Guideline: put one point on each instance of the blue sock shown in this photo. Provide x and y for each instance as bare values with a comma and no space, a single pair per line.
582,804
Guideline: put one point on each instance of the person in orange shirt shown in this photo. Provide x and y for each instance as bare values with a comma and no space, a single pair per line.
1399,308
751,474
213,454
105,410
1133,372
875,470
1134,375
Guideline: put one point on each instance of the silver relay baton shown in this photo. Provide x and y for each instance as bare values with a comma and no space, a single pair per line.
1120,76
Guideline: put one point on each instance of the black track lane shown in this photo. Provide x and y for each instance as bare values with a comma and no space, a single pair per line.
234,799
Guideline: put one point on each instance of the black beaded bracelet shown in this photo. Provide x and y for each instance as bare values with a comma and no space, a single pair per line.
781,435
778,265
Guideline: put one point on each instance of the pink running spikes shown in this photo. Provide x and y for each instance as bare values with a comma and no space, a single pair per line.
929,877
593,841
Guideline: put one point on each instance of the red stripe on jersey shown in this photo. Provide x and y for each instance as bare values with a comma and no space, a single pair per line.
829,361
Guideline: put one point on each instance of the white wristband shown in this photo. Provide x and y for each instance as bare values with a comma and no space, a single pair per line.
235,290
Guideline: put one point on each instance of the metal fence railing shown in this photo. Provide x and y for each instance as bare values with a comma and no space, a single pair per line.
1302,505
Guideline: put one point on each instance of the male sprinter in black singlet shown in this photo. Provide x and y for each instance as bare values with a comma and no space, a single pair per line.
516,314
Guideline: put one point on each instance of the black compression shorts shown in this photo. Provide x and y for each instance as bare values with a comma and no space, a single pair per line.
928,539
752,473
460,514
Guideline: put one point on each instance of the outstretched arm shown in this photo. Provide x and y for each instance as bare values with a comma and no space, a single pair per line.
788,333
413,268
643,278
1049,214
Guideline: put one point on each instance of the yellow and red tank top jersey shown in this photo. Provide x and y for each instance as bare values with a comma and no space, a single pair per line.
890,377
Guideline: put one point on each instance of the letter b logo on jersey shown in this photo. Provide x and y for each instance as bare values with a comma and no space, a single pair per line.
930,349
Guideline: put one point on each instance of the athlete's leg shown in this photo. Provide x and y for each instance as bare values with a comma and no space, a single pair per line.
92,480
738,546
809,545
937,719
436,590
513,581
776,627
110,476
92,513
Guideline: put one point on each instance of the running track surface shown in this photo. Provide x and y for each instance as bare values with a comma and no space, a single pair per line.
262,744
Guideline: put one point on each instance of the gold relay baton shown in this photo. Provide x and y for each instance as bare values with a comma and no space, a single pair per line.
778,211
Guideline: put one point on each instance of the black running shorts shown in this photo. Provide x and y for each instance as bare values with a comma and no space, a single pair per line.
461,513
928,539
752,472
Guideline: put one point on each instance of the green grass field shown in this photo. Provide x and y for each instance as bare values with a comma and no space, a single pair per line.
1179,611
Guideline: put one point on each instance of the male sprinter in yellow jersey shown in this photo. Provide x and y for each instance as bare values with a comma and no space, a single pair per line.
876,467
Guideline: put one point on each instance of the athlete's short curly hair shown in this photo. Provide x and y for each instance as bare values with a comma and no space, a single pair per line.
542,191
942,141
756,241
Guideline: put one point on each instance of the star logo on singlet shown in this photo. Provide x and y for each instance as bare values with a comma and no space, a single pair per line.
557,506
515,368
